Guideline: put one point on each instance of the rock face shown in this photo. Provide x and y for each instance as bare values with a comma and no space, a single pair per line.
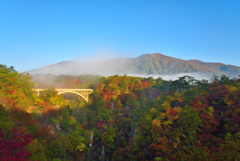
91,138
144,64
52,129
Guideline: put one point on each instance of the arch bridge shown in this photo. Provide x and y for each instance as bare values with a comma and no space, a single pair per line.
83,93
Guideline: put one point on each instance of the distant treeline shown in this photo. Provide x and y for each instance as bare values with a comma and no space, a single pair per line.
65,81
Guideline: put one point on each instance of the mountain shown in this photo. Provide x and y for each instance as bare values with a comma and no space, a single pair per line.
145,64
231,70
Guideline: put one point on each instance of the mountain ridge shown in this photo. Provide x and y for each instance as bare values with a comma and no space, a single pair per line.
156,63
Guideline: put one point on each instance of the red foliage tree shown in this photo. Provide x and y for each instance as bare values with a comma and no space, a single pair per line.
12,146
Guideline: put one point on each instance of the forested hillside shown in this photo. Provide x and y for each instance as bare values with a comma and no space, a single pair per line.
126,118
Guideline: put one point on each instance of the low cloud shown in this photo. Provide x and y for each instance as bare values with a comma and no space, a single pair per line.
104,69
86,64
168,77
105,63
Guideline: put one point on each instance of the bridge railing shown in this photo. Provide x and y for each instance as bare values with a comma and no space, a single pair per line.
63,89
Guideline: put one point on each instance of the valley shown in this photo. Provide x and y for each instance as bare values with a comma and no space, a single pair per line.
125,118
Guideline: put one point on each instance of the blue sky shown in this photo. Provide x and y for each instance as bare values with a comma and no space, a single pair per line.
39,33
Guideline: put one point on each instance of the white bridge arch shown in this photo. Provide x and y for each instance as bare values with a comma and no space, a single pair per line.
83,93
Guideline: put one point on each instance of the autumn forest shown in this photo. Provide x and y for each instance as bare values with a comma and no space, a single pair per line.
126,118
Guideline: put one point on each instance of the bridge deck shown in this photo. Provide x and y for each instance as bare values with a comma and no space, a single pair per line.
65,89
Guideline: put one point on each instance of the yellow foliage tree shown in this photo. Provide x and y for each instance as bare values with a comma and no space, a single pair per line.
37,150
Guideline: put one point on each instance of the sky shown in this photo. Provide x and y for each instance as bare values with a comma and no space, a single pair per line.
38,33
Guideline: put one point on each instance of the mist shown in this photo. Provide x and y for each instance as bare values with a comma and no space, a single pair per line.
108,62
100,63
168,77
73,68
